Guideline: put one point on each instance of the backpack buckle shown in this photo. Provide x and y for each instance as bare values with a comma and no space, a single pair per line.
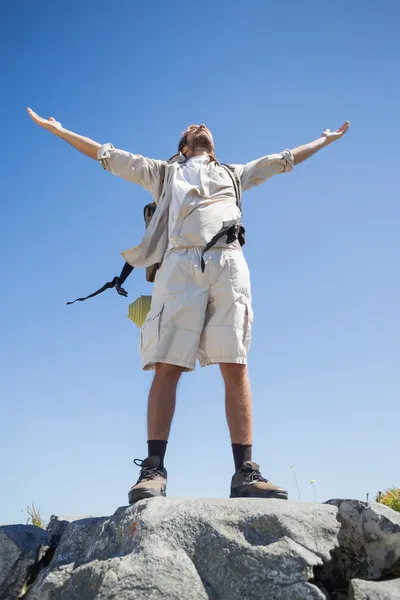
232,233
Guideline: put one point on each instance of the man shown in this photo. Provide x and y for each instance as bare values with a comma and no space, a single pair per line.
201,302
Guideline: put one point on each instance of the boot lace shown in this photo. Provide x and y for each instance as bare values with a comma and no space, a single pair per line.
147,471
251,475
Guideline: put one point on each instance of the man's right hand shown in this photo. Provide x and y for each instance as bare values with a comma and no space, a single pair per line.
83,144
50,124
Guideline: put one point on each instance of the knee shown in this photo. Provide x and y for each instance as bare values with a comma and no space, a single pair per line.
233,373
168,372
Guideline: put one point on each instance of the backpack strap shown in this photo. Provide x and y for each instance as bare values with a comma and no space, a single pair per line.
127,269
230,229
162,178
233,230
149,211
116,282
236,184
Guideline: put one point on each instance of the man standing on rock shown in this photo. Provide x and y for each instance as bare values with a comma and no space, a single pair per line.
201,302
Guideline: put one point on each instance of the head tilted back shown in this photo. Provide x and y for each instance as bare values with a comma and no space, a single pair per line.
184,136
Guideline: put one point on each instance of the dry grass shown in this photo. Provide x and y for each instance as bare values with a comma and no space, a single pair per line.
35,517
390,497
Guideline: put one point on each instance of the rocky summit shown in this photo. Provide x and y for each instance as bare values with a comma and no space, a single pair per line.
239,549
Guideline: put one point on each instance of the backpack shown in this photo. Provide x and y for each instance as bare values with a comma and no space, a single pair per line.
233,230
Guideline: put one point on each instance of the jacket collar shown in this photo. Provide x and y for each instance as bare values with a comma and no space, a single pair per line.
180,158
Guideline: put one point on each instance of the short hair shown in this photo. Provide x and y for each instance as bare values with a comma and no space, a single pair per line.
184,136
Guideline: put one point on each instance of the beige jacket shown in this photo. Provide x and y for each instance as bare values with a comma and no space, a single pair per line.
217,194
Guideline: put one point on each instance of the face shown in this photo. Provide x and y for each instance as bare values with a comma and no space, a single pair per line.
200,137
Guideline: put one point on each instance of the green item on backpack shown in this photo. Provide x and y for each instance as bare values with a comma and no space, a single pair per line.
137,311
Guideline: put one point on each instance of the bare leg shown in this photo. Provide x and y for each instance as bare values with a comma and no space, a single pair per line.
153,476
238,402
247,481
161,406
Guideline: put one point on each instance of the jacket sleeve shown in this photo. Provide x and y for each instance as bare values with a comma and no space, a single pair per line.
259,170
132,167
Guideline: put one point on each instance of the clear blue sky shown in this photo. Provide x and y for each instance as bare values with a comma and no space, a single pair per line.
323,244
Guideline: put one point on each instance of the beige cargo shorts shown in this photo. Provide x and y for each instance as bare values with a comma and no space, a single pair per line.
198,315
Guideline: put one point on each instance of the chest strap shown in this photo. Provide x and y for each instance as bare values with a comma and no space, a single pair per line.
233,230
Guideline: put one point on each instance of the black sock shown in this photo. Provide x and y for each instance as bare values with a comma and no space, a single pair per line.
157,448
241,454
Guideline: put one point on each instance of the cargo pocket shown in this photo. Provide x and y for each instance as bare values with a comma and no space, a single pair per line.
150,332
248,321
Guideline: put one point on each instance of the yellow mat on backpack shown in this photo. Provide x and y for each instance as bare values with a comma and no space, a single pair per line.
137,311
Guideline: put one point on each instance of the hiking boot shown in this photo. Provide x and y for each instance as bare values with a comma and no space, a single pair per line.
248,483
152,480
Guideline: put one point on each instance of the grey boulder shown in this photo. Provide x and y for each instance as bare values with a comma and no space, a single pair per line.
369,543
374,590
193,550
237,549
20,547
56,529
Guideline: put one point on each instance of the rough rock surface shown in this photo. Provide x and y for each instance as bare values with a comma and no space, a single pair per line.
208,549
369,544
56,529
193,549
20,546
374,590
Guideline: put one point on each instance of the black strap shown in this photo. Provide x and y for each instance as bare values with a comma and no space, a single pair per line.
230,230
117,282
127,269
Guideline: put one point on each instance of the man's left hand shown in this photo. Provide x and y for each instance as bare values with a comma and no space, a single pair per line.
332,136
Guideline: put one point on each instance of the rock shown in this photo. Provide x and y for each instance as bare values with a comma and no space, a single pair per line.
20,546
369,544
56,529
238,549
193,549
374,590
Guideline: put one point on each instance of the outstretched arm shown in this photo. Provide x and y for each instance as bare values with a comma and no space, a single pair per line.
83,144
262,169
132,167
327,137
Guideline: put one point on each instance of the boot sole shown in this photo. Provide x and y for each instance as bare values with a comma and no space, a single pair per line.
143,494
270,495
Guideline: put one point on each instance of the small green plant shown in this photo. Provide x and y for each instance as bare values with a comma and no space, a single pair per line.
390,497
35,517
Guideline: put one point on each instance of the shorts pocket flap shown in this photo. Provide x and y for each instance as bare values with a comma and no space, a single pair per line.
150,332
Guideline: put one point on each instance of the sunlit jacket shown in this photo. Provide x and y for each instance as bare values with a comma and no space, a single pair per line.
202,215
